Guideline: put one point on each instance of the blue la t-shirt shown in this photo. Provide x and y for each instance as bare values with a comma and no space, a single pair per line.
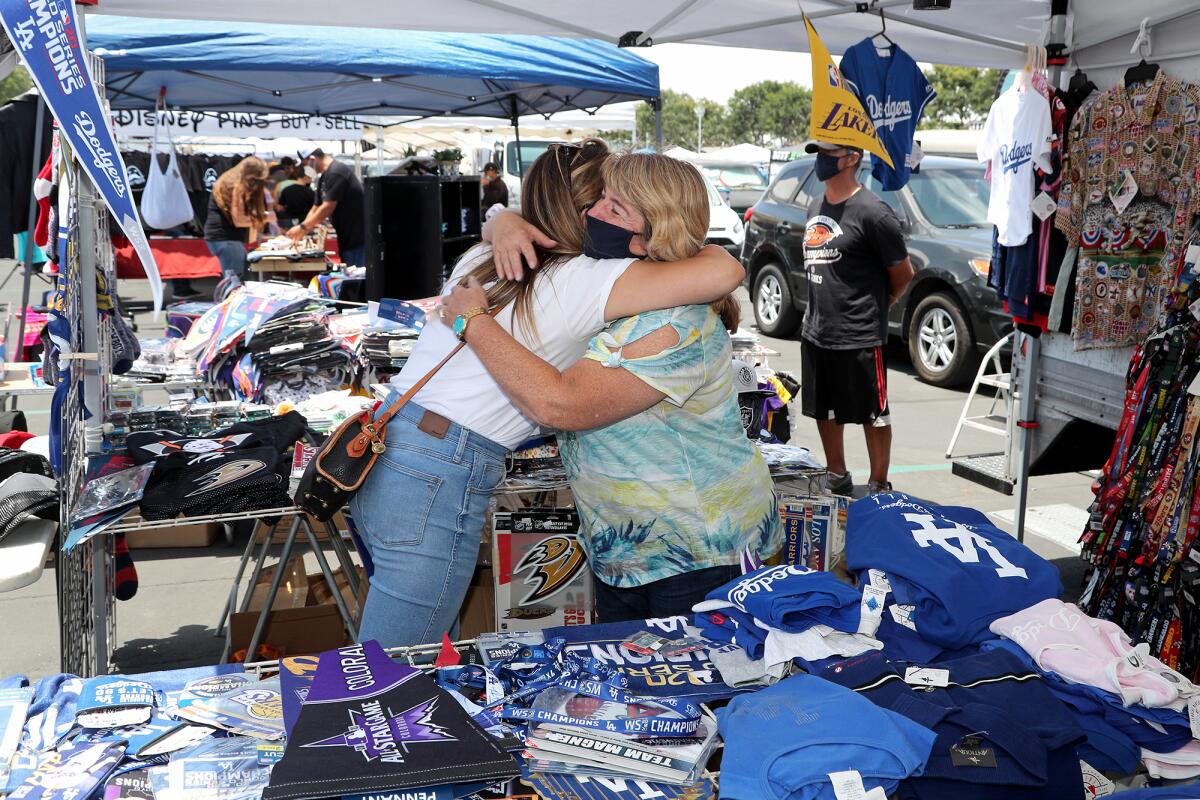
894,92
958,570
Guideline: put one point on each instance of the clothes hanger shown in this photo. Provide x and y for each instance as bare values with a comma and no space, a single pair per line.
1080,83
1023,78
882,31
1141,71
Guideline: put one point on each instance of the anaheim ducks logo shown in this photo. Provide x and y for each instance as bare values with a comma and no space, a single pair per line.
552,563
227,474
819,234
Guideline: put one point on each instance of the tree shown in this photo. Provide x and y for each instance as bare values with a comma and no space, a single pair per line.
769,112
617,139
16,83
964,95
679,122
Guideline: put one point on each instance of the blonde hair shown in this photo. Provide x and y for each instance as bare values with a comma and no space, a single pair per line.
557,188
672,196
240,175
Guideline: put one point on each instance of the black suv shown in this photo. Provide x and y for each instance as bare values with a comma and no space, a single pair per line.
949,316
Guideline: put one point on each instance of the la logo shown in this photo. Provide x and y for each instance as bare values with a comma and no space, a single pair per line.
962,543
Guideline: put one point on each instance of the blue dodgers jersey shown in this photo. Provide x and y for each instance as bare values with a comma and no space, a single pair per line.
790,598
959,570
894,92
784,741
688,675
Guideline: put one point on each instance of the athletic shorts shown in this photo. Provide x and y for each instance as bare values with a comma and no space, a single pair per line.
849,386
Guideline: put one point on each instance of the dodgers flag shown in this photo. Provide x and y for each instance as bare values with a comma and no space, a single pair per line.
46,36
837,116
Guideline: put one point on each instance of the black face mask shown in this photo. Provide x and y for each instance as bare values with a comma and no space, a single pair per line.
605,240
827,166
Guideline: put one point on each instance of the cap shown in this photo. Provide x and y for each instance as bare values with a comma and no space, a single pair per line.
745,379
307,154
813,147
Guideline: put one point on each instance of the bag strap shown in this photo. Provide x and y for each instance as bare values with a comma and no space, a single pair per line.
380,422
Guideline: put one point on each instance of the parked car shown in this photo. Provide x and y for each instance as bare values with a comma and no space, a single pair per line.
948,315
725,226
740,184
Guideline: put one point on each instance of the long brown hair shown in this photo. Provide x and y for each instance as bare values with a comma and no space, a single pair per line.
255,196
558,187
673,198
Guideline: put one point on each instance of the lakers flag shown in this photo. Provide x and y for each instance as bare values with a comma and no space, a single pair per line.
837,116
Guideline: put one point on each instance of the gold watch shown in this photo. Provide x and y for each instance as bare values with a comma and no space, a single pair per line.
460,322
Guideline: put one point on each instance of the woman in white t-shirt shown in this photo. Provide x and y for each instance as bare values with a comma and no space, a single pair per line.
421,509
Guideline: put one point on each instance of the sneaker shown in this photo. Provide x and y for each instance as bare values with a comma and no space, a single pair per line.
878,487
839,484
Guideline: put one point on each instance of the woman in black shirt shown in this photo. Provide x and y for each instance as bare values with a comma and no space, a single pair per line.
236,213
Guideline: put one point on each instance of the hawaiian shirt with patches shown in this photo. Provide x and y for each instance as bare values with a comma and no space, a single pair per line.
1152,131
678,487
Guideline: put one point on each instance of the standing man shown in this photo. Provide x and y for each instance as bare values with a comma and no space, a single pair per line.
340,196
857,266
494,189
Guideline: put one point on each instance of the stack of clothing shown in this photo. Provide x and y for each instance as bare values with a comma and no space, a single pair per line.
1132,706
947,573
785,614
1000,732
291,357
242,468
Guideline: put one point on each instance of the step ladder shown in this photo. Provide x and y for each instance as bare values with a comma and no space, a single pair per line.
991,469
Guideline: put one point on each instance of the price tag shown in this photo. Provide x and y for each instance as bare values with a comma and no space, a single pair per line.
871,610
1194,716
914,158
285,348
927,677
903,615
848,785
1123,191
971,752
879,579
1044,206
1094,782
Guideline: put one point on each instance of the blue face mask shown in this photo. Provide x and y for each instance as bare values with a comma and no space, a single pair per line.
605,240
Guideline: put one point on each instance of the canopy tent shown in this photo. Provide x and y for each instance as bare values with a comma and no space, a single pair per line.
985,33
219,66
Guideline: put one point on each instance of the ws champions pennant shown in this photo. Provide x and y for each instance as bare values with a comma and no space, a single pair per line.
370,725
837,115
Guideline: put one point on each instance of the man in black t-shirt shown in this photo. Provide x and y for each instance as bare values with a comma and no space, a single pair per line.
857,265
340,196
494,189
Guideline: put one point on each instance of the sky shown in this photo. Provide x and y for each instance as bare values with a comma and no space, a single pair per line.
717,72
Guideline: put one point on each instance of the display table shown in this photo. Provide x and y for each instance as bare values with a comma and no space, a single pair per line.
282,266
17,380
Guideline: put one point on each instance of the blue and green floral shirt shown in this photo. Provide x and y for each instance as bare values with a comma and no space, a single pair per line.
678,487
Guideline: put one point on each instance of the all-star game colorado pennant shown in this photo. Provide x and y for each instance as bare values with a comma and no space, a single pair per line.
837,115
371,725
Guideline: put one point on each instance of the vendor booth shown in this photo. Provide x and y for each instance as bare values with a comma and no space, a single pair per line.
941,636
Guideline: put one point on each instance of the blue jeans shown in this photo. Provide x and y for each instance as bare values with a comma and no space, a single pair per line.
420,513
354,256
666,597
232,256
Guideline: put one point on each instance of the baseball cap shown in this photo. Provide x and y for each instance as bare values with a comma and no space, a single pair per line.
745,379
306,154
813,147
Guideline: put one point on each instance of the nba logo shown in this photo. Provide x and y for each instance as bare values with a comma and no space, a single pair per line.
835,78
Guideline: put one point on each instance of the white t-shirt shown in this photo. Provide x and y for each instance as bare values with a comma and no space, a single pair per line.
1015,138
568,310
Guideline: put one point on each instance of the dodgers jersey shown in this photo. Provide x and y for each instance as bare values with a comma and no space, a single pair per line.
894,92
959,571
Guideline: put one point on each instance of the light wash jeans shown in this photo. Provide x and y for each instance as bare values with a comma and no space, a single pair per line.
232,256
420,513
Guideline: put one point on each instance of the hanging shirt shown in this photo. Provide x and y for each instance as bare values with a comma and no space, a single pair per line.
894,91
1016,137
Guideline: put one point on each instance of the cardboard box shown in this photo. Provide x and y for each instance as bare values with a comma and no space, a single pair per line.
540,571
196,534
292,631
293,590
319,594
285,524
478,614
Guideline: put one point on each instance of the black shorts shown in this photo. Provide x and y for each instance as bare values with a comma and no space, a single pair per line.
849,386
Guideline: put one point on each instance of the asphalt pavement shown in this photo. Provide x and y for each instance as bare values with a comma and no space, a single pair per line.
171,620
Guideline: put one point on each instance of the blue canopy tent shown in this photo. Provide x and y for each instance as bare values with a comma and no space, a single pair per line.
239,66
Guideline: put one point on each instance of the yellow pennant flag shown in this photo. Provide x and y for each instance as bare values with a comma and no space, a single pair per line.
837,116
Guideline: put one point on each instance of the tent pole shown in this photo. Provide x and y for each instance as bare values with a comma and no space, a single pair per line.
27,256
658,133
516,123
378,149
